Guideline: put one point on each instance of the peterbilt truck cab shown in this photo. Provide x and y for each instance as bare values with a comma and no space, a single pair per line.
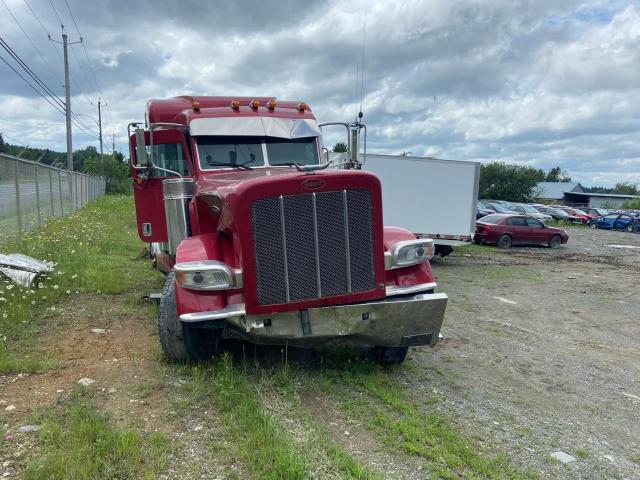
261,238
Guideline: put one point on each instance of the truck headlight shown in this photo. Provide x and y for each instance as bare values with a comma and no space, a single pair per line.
408,252
207,275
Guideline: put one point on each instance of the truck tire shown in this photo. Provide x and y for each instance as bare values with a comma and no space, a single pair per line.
182,342
389,355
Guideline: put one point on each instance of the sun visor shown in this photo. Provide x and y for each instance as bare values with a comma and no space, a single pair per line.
255,127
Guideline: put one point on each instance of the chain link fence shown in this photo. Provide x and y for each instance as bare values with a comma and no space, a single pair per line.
31,192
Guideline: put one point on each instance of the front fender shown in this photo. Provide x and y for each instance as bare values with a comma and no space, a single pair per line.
407,276
199,247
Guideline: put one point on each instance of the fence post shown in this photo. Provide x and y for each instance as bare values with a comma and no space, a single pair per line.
17,183
35,169
53,211
75,191
60,191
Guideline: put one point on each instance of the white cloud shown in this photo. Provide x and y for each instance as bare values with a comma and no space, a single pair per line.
544,83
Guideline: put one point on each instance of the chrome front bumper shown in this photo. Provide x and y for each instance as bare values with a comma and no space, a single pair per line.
407,320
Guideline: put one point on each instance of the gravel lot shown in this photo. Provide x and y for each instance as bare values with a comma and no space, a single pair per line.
542,352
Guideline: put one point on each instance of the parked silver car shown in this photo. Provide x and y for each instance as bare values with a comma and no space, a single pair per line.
530,211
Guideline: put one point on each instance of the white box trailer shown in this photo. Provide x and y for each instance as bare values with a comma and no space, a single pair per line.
430,197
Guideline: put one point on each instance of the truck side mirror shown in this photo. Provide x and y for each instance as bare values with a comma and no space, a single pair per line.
141,150
325,154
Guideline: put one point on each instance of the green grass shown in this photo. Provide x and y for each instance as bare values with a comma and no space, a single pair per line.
374,396
564,224
258,437
474,249
582,452
77,441
92,250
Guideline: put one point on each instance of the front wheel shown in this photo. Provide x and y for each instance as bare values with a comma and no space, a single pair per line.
389,355
593,225
504,241
181,342
629,228
555,241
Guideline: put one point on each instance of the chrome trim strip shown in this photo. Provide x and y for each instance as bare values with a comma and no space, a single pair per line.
346,238
234,310
284,250
317,244
393,290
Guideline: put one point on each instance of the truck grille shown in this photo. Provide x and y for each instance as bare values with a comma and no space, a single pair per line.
313,245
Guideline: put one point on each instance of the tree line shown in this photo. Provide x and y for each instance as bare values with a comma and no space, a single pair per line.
113,167
518,183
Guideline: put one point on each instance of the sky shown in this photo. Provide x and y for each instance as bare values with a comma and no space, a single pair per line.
537,82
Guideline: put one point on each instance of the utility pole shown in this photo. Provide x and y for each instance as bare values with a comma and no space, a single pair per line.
67,102
100,129
67,110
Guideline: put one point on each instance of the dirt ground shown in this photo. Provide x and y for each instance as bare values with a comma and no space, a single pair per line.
541,354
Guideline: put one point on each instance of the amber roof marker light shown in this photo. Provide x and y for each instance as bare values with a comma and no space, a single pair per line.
271,104
302,106
254,104
196,105
235,104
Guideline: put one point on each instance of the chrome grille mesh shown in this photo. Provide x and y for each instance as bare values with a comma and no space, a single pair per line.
313,245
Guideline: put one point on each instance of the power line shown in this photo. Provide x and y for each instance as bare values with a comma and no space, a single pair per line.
89,63
53,45
28,83
31,41
30,72
84,74
4,135
93,74
53,99
60,109
56,12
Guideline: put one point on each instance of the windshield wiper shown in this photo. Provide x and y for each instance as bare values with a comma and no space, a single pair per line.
243,166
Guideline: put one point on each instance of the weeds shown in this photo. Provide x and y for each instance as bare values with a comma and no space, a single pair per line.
260,442
92,250
374,396
79,442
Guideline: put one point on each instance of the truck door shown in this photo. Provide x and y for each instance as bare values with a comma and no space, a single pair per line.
169,152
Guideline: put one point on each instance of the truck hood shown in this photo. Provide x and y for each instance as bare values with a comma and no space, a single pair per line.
226,192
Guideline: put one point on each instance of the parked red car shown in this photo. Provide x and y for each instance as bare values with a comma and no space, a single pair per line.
507,229
577,214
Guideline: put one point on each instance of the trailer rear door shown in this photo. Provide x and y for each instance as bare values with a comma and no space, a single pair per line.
430,197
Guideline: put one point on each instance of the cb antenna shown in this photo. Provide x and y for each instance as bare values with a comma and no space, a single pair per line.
364,31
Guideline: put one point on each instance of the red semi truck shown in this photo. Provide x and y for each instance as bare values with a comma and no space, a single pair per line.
260,240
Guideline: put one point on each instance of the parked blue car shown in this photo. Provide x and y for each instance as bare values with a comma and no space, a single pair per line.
617,221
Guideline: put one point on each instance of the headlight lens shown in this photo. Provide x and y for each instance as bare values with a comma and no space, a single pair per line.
207,275
409,252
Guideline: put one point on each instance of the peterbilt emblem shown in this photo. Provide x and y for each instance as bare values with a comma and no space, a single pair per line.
313,184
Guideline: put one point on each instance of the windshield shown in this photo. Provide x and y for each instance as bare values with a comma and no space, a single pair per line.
491,219
501,209
215,152
302,151
529,209
220,152
578,211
